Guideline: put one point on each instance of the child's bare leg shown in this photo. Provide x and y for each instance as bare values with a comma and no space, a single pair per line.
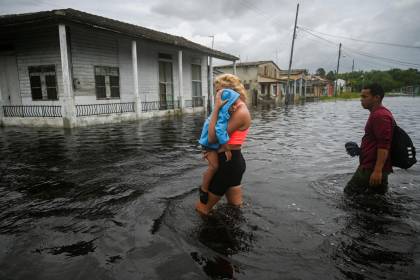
213,161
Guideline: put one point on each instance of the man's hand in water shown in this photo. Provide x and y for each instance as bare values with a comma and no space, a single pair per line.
375,178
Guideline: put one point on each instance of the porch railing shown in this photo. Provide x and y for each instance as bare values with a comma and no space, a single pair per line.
104,109
28,111
197,101
159,105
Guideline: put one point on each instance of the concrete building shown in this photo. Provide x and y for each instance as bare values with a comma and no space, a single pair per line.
70,68
317,86
297,81
260,78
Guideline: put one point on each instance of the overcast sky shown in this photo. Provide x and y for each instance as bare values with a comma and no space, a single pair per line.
262,30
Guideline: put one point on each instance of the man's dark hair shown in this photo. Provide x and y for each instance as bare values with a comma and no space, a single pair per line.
375,89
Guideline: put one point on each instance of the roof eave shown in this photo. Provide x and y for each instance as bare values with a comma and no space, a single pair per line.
71,16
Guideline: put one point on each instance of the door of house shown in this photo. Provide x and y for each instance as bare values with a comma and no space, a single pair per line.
166,92
9,81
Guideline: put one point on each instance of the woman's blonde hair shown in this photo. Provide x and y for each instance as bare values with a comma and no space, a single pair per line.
232,82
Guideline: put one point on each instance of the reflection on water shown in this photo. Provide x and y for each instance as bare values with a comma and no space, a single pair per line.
116,202
222,232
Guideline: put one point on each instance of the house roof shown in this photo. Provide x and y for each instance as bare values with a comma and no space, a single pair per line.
292,71
248,64
79,17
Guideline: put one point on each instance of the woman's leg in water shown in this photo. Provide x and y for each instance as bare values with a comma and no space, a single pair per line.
206,208
234,196
213,165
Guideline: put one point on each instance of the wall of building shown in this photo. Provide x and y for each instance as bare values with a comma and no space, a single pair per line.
248,77
148,63
9,82
34,48
89,48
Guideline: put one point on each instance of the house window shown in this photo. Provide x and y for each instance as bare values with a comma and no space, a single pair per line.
107,82
43,82
196,80
166,90
265,71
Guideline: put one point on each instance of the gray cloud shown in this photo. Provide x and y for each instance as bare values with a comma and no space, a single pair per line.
263,30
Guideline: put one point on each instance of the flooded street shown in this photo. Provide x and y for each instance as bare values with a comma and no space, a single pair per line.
117,201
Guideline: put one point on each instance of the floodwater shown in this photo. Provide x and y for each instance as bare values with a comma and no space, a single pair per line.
116,202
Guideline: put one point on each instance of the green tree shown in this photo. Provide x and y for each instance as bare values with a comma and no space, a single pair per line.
330,76
390,80
320,72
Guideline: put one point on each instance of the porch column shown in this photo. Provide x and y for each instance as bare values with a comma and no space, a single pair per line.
234,67
305,88
67,103
204,83
294,88
1,108
211,97
180,81
300,85
135,78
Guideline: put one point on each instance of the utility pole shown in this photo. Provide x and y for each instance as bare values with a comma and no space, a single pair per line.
291,58
338,67
352,66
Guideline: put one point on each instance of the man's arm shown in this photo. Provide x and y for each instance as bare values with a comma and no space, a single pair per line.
382,129
376,176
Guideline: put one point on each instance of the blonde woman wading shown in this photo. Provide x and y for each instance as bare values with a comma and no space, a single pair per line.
229,122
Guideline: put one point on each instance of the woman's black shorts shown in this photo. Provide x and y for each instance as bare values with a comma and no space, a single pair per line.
229,174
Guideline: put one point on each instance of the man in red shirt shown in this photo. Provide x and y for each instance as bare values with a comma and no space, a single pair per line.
375,162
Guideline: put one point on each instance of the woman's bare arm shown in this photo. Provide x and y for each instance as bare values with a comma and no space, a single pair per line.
218,103
240,120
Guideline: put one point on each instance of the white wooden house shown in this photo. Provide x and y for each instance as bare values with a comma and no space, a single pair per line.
70,68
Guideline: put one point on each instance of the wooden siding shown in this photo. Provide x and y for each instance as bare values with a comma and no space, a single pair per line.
88,49
37,48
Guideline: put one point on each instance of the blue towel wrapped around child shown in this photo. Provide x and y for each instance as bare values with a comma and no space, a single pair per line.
222,122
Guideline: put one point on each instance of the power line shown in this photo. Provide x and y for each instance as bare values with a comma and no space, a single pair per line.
319,37
331,62
392,60
368,61
259,11
364,41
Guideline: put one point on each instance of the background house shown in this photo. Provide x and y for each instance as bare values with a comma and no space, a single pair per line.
70,68
260,79
296,81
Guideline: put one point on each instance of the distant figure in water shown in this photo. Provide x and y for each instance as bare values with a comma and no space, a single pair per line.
225,174
375,162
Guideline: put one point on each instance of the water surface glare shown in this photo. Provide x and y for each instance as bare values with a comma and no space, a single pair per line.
116,202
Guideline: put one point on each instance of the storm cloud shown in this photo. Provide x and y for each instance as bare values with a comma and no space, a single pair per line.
262,30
